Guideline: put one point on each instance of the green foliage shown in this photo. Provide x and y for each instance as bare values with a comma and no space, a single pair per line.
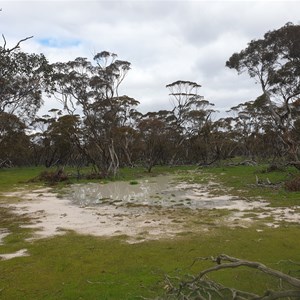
14,143
133,182
274,62
22,78
109,132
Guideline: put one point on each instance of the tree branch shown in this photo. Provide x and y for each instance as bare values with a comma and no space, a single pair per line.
17,46
4,46
235,262
271,295
201,287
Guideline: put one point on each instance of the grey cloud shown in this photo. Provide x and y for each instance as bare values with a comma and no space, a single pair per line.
164,40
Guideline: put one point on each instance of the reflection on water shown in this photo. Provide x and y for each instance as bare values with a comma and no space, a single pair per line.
158,191
145,192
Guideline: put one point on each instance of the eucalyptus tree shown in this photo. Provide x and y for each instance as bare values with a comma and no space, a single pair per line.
14,142
155,138
224,138
190,110
23,78
274,62
61,135
256,130
40,143
93,89
126,132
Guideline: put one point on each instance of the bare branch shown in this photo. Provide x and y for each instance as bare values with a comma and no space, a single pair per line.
201,287
4,46
17,46
271,295
238,262
21,41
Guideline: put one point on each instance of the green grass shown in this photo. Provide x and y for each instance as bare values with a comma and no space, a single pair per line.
241,181
17,177
85,267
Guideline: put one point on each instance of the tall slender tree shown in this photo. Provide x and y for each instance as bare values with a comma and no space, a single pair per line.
94,88
190,110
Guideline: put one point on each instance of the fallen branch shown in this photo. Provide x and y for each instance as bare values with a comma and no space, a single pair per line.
201,287
235,262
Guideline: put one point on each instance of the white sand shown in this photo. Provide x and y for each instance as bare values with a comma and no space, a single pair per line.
53,216
20,253
3,233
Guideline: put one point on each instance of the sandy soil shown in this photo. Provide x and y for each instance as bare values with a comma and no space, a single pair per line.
20,253
54,216
3,233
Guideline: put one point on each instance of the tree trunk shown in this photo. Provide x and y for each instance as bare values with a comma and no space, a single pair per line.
114,163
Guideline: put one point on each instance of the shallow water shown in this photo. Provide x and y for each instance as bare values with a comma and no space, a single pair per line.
162,191
146,191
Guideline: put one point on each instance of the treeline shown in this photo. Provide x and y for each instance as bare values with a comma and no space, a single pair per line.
94,125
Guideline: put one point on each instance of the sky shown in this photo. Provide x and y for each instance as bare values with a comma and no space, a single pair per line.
164,41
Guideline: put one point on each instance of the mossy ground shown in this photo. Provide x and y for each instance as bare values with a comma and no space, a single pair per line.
74,266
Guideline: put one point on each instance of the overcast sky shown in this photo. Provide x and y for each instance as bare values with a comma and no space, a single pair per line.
164,41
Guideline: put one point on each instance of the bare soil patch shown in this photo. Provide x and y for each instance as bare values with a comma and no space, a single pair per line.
152,209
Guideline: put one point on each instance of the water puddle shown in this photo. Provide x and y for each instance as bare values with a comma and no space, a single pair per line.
148,209
162,191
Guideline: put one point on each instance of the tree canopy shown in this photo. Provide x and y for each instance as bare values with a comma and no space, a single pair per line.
94,125
274,62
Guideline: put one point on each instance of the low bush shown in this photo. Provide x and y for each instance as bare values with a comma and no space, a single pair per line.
92,176
53,176
293,185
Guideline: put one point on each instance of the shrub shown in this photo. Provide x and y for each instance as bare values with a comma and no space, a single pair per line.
275,168
53,176
92,176
293,185
133,182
